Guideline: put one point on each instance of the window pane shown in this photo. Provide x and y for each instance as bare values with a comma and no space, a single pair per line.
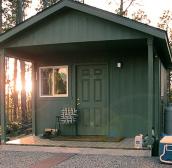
60,80
46,81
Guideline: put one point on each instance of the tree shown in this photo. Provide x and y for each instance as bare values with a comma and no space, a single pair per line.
0,16
23,92
165,22
124,6
19,11
13,12
141,16
14,92
45,4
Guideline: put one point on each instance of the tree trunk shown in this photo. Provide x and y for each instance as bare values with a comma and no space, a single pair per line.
15,94
121,8
23,93
7,90
19,11
0,16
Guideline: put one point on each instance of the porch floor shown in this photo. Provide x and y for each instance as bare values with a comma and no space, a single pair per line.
126,143
124,147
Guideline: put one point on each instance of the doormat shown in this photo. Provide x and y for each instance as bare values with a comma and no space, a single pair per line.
88,138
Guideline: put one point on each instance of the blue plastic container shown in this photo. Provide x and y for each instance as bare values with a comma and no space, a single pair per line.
165,149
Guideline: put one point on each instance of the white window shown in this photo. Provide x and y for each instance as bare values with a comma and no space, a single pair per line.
53,81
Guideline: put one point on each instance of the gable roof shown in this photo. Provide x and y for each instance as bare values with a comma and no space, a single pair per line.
64,4
87,9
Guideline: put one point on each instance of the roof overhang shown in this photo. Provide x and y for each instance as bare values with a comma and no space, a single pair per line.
158,34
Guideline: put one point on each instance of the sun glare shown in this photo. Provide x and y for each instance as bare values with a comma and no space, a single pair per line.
10,77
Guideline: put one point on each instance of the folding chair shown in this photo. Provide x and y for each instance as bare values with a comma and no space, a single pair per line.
68,116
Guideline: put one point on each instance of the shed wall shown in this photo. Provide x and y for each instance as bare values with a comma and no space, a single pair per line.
127,92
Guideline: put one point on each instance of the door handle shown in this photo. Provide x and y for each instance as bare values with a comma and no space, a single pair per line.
78,101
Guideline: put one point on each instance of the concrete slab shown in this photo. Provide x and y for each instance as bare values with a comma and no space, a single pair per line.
114,152
35,143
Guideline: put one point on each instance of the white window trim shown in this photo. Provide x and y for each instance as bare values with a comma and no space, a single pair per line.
53,67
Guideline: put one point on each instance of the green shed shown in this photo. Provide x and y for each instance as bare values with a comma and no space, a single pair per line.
112,69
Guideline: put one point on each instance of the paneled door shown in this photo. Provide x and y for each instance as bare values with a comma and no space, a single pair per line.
92,98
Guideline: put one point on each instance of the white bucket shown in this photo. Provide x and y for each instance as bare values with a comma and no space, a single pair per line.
138,142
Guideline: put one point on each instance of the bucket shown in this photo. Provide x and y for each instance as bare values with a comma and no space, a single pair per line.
138,142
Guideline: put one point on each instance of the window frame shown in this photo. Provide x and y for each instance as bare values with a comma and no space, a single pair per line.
53,93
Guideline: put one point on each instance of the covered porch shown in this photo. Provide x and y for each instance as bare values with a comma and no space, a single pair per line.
126,143
90,54
110,67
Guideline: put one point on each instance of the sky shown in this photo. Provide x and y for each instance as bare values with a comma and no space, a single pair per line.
153,8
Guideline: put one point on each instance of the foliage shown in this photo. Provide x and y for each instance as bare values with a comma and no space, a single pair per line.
45,4
17,101
165,23
13,126
10,10
141,16
124,6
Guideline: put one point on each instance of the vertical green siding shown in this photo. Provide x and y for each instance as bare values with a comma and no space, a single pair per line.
163,94
48,108
128,101
127,91
73,26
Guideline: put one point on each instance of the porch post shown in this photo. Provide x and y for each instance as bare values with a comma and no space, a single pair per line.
157,95
33,99
150,88
2,95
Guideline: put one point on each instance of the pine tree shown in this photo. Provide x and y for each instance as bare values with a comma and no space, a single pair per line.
13,12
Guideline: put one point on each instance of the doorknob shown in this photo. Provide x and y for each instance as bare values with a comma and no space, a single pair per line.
78,103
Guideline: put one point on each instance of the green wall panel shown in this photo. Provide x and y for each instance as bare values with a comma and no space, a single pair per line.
127,92
128,102
73,26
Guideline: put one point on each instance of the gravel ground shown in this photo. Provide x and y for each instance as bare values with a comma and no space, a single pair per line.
106,161
11,159
20,159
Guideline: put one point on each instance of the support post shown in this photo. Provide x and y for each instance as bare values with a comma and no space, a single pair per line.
2,96
150,89
157,95
33,99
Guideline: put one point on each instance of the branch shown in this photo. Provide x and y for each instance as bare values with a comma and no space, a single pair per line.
131,2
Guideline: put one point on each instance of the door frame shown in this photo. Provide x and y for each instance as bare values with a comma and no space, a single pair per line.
74,76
